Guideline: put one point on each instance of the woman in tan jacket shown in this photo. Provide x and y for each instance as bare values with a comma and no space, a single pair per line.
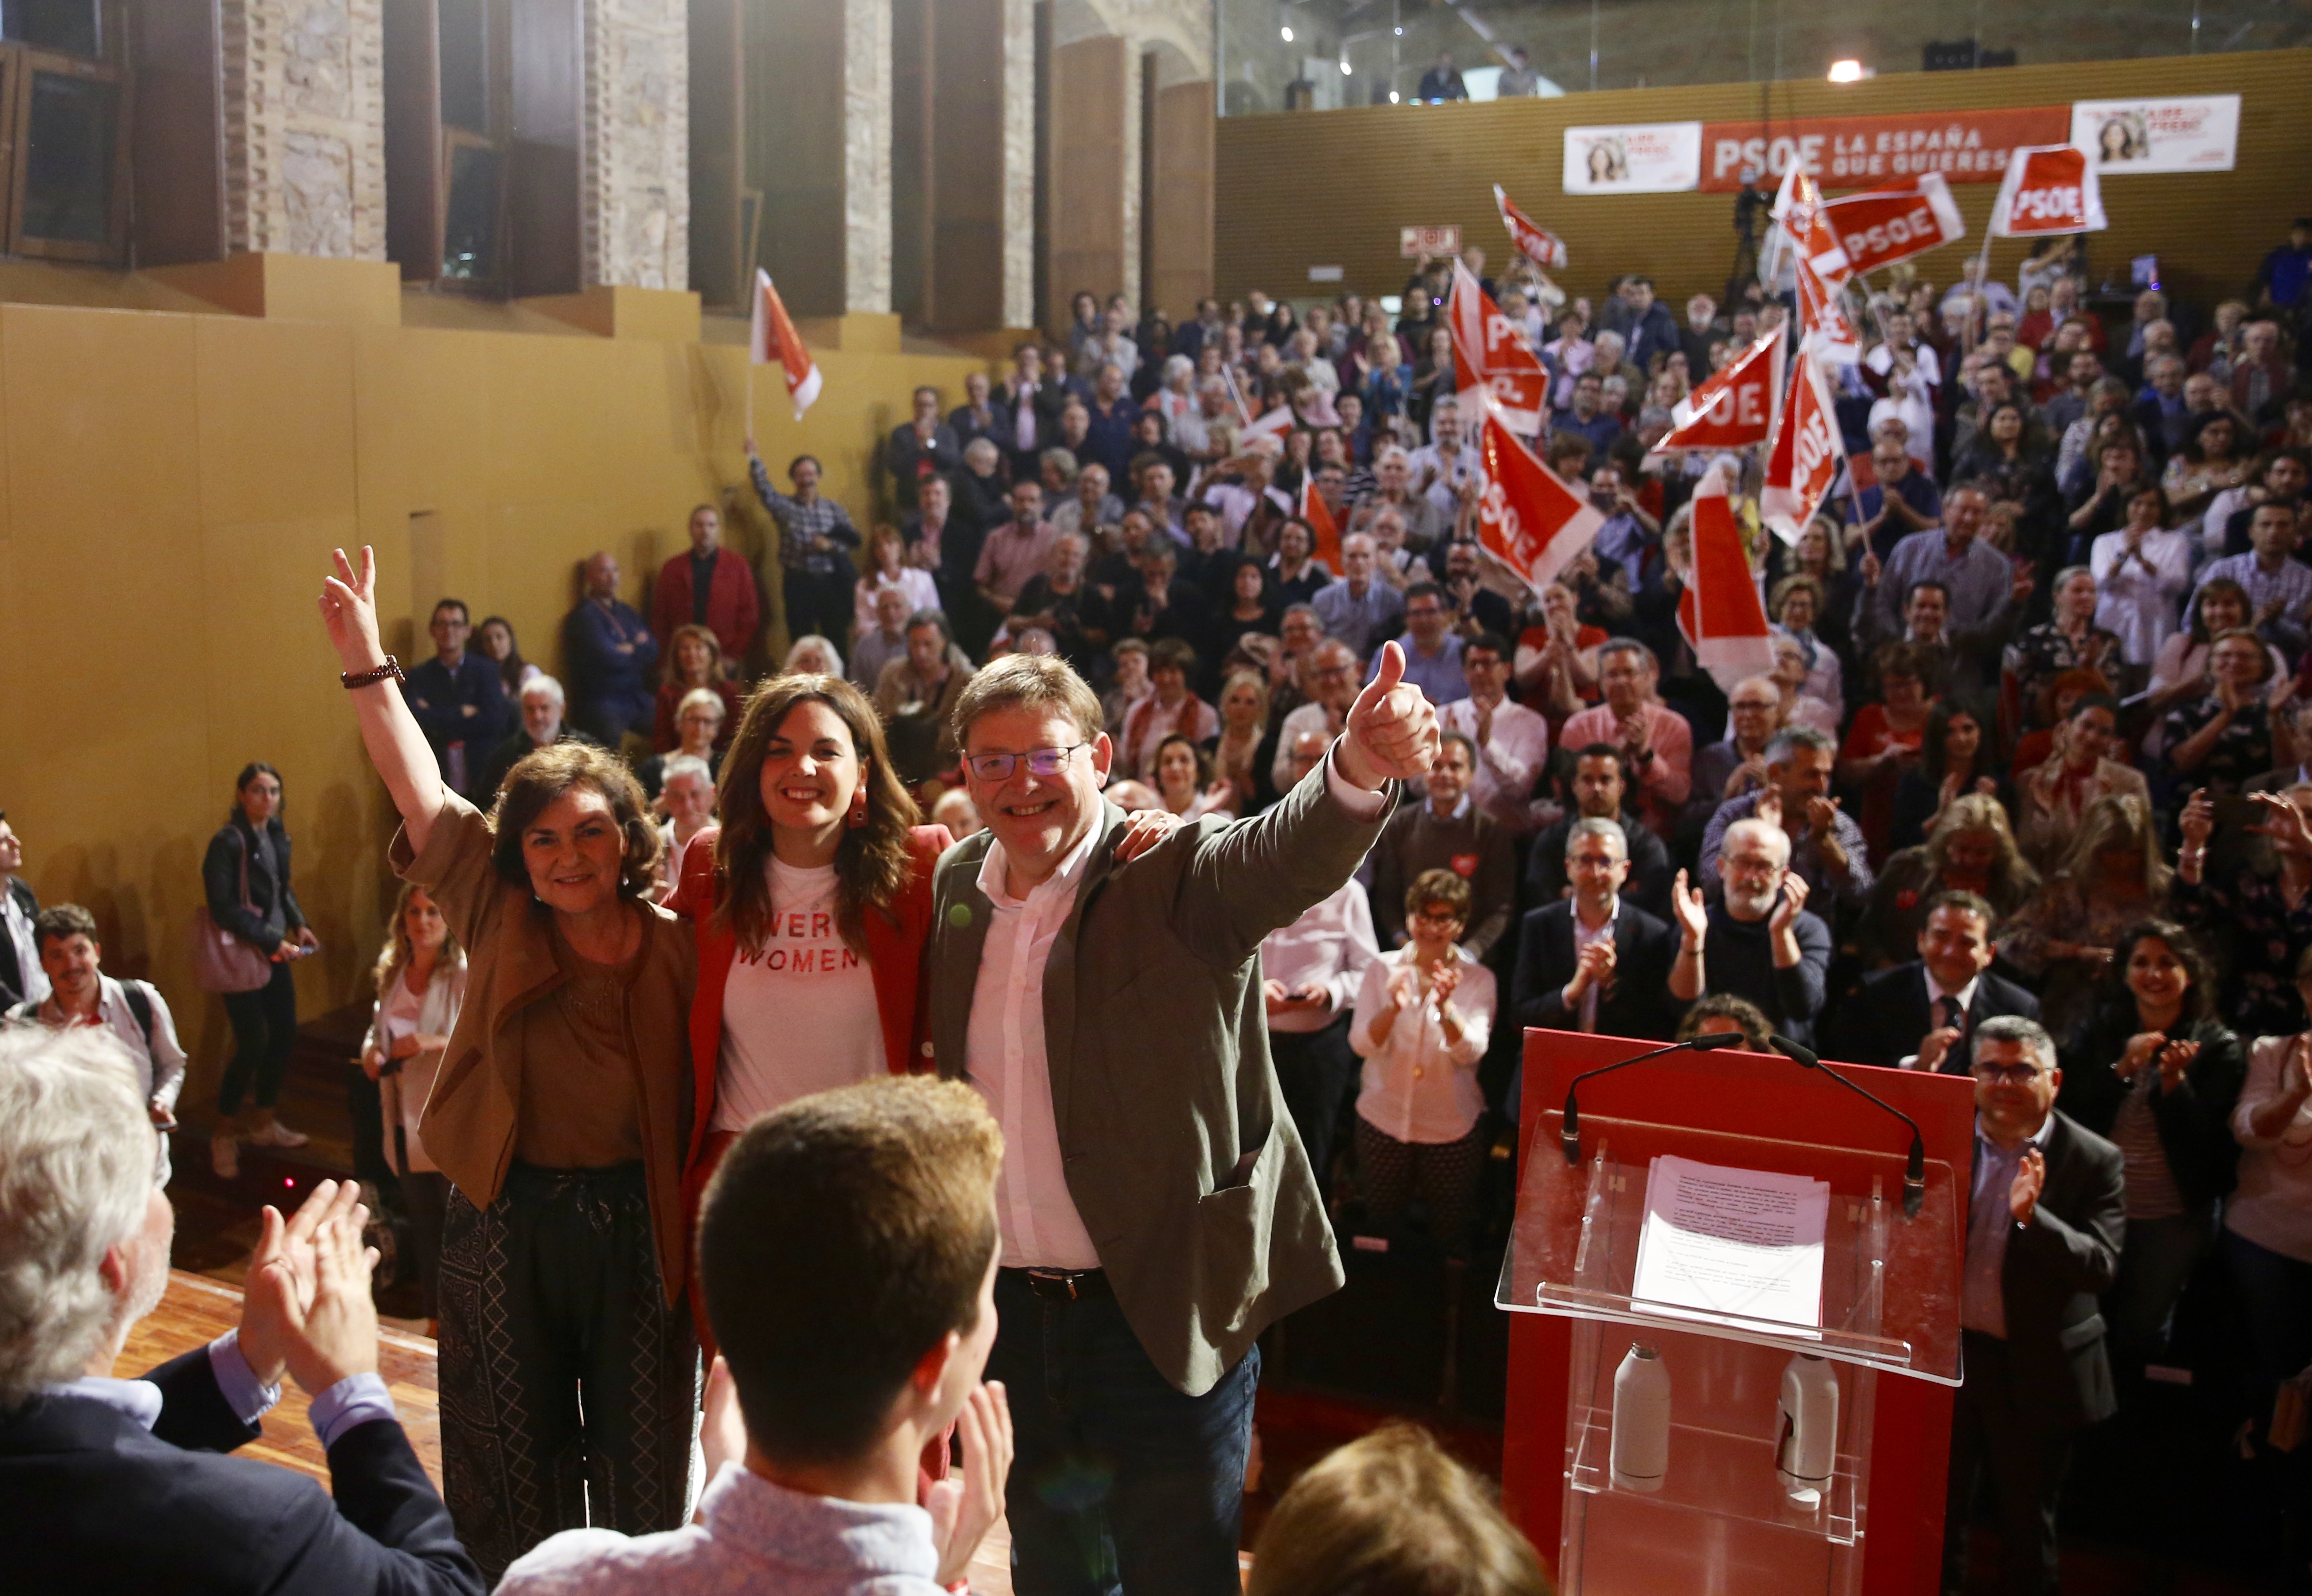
558,1116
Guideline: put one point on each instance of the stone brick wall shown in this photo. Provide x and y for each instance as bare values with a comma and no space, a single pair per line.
304,128
867,156
635,209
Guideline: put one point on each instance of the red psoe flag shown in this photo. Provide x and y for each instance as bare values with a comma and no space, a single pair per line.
1324,532
1530,519
1886,225
1801,229
774,338
2049,189
1804,458
1488,354
1719,611
1825,331
1536,244
1735,409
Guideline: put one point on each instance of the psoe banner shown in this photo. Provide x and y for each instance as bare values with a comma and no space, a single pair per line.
2133,135
1867,151
1641,158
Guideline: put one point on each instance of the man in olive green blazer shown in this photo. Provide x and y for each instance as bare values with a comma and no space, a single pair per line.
1156,1207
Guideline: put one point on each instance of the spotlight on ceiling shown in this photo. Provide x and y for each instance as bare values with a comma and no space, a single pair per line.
1288,34
1849,71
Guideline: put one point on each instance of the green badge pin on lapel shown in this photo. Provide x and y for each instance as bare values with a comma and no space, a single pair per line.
958,915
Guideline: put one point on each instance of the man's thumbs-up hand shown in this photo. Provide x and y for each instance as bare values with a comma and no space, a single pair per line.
1392,730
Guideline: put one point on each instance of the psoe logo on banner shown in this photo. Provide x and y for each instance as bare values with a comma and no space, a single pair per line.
1639,158
1436,242
2154,136
2050,189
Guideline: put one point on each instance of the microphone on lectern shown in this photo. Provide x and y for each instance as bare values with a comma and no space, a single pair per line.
1914,1169
1570,1135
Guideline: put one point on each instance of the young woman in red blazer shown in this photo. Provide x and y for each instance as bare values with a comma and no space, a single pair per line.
811,904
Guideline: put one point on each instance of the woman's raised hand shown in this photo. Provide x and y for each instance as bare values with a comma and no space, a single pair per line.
349,610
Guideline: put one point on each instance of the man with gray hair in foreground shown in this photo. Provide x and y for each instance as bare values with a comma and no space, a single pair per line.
115,1485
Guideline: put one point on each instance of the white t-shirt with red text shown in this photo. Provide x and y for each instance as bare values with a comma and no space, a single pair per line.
800,1017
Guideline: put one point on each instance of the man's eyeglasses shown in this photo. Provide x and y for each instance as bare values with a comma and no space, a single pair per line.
1040,761
2009,1075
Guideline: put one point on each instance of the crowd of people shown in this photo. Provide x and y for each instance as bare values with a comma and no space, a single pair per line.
1086,777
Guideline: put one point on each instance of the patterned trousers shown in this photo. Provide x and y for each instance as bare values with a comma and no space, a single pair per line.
1444,1175
569,1388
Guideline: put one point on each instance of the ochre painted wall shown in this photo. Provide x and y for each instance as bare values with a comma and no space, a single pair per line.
171,486
1332,187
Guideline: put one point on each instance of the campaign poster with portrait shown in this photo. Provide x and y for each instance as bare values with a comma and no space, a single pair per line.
2152,135
1639,158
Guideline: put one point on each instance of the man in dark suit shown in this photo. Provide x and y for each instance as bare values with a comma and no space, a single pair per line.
21,979
924,446
117,1485
1920,1014
1028,405
1601,785
1595,962
2045,1222
460,700
1157,1209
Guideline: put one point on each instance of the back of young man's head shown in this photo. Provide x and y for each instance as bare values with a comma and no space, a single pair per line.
843,1238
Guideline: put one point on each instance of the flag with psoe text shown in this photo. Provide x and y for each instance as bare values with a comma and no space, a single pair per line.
1528,519
2049,189
1536,244
1735,408
1719,611
1490,355
1803,460
1882,226
772,337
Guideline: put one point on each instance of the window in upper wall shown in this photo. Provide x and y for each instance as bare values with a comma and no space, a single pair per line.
63,103
481,144
76,27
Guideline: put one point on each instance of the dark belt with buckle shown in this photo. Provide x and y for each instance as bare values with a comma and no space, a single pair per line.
1063,1286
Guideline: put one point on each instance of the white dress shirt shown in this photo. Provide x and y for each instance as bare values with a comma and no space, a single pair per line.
17,926
1330,945
1004,1049
1964,997
2140,605
1509,760
1417,1086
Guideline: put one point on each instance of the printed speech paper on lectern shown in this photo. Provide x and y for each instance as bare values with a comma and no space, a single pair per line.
1732,1241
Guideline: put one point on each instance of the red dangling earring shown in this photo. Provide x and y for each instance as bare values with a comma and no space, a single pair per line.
858,815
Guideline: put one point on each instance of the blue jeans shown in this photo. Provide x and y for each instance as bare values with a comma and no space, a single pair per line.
1119,1481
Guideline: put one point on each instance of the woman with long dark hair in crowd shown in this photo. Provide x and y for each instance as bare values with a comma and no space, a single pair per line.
1958,756
421,983
2111,875
2052,796
245,877
2156,1072
494,637
568,1372
1183,783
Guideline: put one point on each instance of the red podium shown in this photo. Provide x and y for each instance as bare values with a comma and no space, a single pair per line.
1720,1520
